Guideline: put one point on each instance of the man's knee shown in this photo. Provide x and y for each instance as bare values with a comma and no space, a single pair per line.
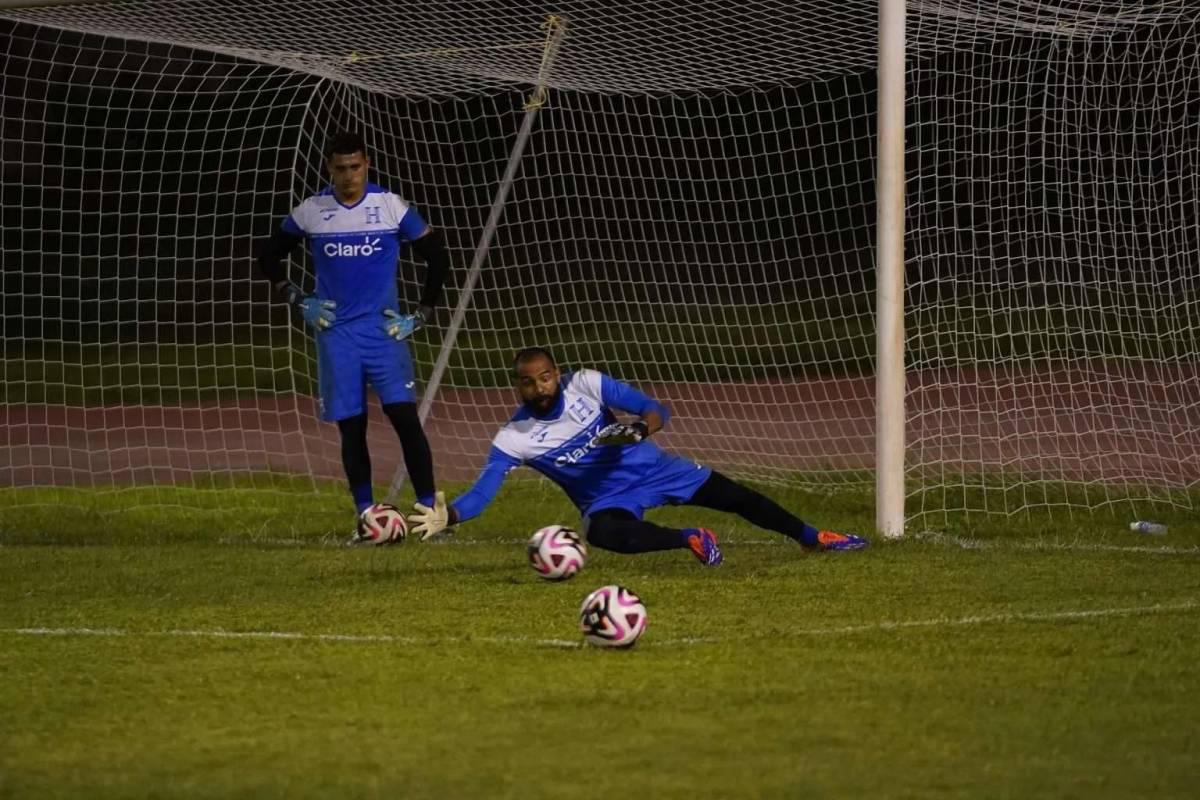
353,428
403,415
605,530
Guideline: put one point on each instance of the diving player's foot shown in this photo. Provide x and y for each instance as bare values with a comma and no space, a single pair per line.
703,544
831,540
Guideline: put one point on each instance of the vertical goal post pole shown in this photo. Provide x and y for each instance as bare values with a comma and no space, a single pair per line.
889,231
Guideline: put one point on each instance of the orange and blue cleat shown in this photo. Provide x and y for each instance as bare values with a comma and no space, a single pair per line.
704,546
830,540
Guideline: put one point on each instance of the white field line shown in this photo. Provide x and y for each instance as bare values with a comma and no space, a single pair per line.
967,543
842,630
982,619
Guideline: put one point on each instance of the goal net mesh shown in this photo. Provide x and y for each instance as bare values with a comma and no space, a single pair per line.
693,213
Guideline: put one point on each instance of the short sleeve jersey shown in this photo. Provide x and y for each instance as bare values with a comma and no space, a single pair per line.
355,248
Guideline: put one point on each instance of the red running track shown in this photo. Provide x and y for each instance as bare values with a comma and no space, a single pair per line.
1114,423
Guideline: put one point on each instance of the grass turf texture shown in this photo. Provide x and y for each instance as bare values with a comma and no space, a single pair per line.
930,667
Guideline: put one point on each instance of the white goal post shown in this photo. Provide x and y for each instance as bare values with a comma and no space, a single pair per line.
939,252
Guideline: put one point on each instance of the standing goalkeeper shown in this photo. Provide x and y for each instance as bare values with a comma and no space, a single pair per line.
355,231
567,431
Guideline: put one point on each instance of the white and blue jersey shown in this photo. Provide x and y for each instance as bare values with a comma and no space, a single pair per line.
562,446
355,250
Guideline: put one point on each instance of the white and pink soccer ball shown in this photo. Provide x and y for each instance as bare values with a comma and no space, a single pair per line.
612,616
382,524
556,552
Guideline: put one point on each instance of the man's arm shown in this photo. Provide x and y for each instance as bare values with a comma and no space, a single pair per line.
273,251
652,414
271,254
430,246
432,521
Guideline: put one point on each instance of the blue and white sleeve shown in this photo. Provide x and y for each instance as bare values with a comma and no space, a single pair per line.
292,225
624,397
409,224
477,498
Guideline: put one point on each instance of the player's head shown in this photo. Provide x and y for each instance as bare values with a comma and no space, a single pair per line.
537,377
346,157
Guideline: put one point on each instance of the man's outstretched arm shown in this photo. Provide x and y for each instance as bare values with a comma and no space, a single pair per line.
430,521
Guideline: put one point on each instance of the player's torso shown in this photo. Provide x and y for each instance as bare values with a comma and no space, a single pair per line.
564,449
355,250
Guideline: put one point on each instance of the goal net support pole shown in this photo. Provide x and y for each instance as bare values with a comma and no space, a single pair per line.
556,28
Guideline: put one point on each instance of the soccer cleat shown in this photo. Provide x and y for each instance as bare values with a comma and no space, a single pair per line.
829,540
360,538
703,543
357,539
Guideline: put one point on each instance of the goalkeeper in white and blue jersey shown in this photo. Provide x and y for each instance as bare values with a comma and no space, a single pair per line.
355,231
566,430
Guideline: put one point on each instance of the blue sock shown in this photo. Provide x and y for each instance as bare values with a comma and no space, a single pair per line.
427,500
808,535
364,497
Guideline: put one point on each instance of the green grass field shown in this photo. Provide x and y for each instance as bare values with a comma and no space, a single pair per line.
204,652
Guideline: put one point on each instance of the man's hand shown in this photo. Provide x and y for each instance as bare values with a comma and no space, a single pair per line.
620,433
429,522
316,312
400,327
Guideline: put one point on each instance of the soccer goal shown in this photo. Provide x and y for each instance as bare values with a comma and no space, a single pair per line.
681,193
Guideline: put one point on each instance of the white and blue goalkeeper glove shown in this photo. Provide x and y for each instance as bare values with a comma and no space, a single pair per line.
620,433
316,312
401,326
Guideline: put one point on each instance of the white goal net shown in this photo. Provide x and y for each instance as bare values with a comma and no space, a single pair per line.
693,212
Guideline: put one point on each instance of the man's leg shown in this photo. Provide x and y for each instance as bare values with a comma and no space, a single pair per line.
389,368
722,494
418,457
344,402
621,531
356,460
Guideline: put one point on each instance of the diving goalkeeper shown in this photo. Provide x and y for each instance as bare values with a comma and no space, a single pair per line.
567,431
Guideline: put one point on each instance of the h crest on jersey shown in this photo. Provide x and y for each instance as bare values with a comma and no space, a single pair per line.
561,440
582,410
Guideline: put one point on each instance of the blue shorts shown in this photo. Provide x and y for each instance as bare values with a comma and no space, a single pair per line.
674,482
351,355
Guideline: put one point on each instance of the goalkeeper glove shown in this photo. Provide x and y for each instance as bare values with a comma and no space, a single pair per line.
316,312
620,433
401,326
429,522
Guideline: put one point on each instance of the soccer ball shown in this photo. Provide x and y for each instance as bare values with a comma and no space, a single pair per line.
556,552
382,524
612,616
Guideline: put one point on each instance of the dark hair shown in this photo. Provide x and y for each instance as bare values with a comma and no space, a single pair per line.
344,144
529,354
